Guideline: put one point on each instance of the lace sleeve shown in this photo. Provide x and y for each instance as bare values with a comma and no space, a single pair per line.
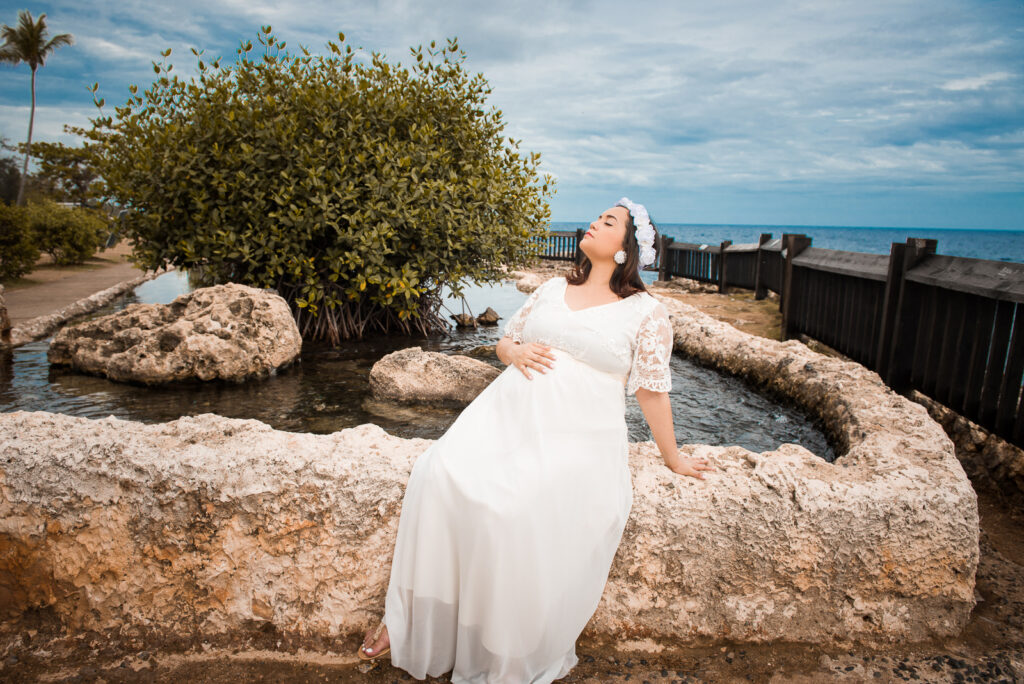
514,325
653,352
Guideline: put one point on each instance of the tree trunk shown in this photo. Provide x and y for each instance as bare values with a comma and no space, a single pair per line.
28,145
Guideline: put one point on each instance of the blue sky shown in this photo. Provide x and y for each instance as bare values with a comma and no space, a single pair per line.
866,113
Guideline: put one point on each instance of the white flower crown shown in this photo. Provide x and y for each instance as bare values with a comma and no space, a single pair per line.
644,230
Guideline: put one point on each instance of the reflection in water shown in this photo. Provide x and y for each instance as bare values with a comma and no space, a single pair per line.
327,389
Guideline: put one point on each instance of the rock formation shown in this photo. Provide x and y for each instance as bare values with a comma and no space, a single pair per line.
528,281
488,317
416,376
880,545
985,456
227,332
687,285
208,525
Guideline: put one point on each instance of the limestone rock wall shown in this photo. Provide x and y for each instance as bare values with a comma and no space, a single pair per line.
198,525
985,456
786,545
206,524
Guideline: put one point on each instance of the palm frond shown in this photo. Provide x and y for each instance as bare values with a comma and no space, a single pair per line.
59,40
27,42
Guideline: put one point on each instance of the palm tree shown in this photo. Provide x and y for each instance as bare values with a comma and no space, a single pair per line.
28,43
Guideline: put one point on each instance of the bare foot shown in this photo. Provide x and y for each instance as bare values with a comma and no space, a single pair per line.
376,647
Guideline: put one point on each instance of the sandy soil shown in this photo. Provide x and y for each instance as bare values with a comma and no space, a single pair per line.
49,287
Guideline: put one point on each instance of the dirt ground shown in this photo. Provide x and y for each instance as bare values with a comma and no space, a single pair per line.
990,648
49,288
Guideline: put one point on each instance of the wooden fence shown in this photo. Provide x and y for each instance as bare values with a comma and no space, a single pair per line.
949,327
562,245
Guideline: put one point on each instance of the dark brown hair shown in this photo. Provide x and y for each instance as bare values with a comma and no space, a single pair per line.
625,280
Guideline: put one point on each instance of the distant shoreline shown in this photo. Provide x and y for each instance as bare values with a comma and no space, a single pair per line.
790,228
995,245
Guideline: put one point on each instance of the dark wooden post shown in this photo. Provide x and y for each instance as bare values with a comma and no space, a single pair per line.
782,285
5,323
1009,386
906,318
578,257
721,266
794,243
664,272
893,282
759,289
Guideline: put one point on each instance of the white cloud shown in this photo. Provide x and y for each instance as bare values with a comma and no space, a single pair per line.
102,48
976,82
49,122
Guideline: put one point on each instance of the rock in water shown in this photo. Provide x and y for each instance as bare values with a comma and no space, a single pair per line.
416,376
464,320
488,317
226,332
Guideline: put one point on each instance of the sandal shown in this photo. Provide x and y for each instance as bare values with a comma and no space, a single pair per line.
375,636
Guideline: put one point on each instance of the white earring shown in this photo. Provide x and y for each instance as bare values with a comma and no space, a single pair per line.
620,256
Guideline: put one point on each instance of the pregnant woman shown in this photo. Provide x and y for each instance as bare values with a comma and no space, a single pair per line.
510,520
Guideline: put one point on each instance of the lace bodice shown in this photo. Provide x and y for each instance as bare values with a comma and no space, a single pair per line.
631,337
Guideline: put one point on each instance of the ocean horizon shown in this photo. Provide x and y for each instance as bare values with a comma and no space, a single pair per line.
995,245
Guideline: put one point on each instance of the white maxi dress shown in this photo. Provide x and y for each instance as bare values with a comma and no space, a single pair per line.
510,519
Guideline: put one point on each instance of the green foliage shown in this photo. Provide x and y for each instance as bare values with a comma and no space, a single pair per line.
69,235
18,250
10,180
64,173
355,189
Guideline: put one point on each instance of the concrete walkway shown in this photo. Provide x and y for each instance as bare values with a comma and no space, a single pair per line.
49,288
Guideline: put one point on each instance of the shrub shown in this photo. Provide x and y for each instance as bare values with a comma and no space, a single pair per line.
18,250
70,235
10,179
62,172
356,190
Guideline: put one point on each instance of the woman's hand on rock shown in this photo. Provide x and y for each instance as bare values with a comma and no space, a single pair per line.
686,465
528,355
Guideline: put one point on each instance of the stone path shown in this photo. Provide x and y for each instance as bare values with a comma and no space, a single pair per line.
50,288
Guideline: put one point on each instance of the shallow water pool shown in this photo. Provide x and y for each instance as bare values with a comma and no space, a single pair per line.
327,389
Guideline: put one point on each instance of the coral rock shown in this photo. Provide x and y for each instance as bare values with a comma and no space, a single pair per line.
416,376
226,332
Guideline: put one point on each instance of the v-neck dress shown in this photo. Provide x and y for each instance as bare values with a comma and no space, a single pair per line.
510,520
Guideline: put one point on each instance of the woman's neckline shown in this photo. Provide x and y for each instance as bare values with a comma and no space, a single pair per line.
565,288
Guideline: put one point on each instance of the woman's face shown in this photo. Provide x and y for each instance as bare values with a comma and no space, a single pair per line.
605,235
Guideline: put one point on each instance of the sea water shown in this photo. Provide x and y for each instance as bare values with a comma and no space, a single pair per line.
998,245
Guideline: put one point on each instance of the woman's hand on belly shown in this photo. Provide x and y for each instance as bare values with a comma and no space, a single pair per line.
525,355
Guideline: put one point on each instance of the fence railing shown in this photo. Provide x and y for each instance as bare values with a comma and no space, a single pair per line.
950,327
561,245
